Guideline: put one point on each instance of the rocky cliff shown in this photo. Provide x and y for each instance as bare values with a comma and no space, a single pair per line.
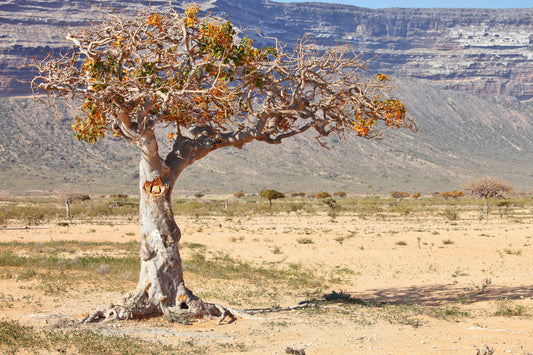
478,50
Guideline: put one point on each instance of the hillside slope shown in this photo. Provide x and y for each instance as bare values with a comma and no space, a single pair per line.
462,136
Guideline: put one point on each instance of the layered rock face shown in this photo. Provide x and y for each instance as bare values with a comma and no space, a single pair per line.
478,50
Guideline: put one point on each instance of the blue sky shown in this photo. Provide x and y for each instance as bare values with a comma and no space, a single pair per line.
376,4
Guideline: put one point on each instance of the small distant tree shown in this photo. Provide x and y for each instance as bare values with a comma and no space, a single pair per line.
487,188
334,207
457,194
69,197
503,206
400,195
271,195
297,194
199,195
322,194
340,194
451,194
416,195
204,79
238,194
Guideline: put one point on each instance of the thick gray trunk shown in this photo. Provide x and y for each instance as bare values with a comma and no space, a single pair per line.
161,288
67,206
161,273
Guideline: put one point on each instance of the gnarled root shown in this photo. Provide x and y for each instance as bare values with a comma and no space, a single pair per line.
189,306
138,306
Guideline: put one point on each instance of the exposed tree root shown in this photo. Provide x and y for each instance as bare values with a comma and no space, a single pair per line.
139,306
120,312
192,308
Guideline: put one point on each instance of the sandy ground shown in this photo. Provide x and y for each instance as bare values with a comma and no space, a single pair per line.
413,265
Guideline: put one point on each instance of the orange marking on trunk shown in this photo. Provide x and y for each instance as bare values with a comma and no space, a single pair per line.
154,188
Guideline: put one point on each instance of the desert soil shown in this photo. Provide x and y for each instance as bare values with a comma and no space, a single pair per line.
412,269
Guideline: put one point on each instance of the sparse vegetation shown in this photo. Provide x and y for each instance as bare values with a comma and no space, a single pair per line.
399,195
508,308
15,338
304,241
333,207
344,297
451,214
61,270
297,194
451,194
512,252
276,250
34,210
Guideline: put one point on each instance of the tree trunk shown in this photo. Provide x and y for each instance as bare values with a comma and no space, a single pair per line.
485,208
67,206
161,289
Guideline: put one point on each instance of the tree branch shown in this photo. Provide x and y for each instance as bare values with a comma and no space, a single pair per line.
202,76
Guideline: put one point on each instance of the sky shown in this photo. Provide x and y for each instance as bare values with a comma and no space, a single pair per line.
377,4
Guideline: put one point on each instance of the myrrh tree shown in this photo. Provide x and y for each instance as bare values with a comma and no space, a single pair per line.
203,77
486,188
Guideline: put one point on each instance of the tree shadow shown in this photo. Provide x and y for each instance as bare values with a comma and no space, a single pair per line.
432,295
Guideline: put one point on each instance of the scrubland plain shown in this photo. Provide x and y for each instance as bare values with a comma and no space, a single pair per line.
369,275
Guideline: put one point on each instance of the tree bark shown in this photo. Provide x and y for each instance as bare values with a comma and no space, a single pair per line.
67,206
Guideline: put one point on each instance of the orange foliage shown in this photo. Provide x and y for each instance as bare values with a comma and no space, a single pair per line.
93,127
191,15
155,20
206,73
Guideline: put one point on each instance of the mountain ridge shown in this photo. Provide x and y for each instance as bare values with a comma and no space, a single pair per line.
476,50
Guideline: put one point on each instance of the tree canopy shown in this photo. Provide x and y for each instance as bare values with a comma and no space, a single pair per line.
204,77
488,187
271,194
